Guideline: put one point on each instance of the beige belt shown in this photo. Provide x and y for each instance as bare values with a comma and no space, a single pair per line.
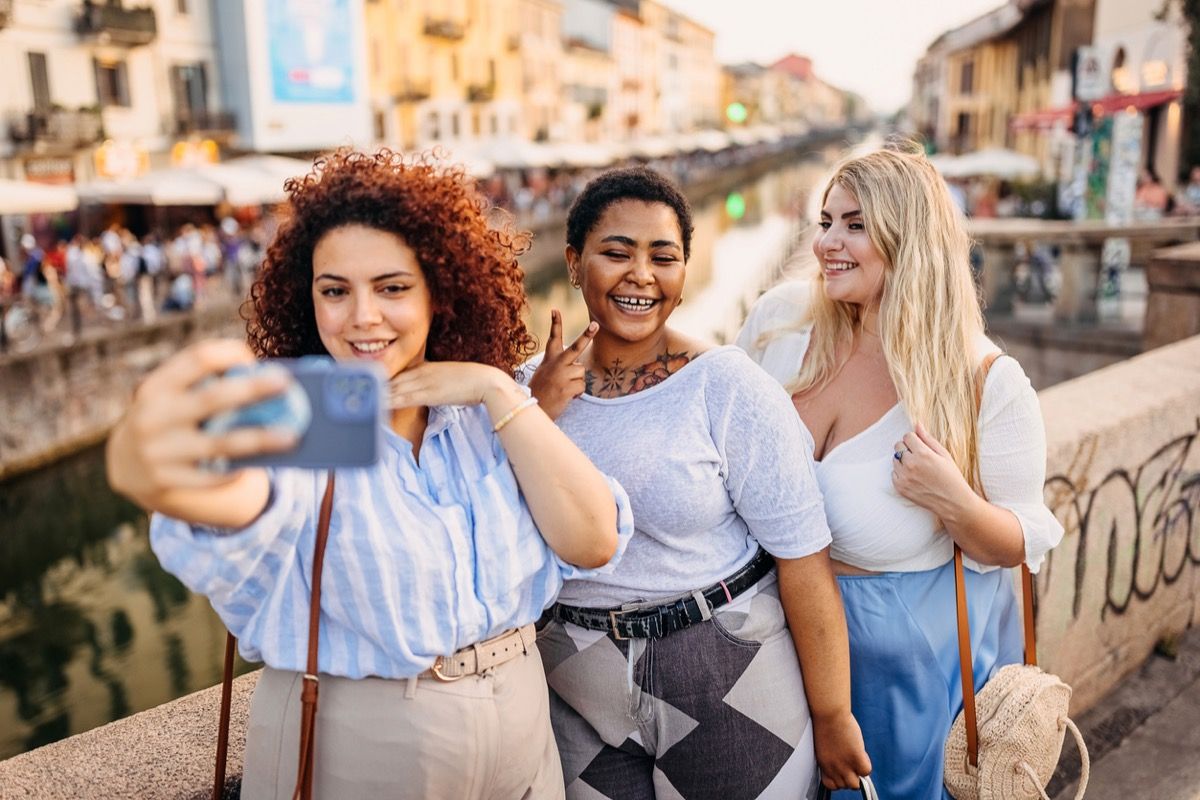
482,655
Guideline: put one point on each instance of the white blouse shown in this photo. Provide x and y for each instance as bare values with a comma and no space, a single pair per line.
873,527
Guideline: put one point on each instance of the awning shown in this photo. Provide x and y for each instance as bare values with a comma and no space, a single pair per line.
1115,103
168,187
27,197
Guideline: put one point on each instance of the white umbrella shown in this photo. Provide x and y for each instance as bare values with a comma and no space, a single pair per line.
167,187
653,147
713,141
993,161
514,153
281,168
583,154
26,197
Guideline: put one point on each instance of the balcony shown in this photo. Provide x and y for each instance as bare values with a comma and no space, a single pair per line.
186,122
441,28
112,23
60,129
6,10
481,92
410,91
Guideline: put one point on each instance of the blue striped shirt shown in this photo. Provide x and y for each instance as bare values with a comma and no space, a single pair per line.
422,560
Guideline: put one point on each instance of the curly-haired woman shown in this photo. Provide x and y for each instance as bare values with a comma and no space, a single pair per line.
461,534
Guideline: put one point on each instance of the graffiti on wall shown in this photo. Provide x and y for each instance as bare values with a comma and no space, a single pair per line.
1141,523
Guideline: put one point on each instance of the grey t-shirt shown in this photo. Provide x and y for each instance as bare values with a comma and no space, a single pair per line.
714,462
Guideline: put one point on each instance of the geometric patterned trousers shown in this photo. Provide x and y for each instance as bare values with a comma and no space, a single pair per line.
716,710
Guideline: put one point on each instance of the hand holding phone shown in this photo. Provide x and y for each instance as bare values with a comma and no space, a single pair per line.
335,408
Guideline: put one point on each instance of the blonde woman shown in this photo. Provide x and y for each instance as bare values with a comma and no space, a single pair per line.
881,352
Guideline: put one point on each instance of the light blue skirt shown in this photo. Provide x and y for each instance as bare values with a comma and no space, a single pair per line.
905,683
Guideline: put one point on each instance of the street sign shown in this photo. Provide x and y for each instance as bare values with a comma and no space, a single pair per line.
1091,75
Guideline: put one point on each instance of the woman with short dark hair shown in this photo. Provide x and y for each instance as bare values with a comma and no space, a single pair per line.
674,674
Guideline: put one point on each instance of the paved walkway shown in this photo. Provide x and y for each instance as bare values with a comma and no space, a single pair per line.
1144,736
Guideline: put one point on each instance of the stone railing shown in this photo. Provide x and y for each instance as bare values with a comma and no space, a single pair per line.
166,753
71,395
1081,244
1123,447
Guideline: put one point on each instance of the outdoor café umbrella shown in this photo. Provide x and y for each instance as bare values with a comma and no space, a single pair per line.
995,162
26,197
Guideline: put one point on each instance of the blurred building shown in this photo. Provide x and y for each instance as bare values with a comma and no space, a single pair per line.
635,87
437,71
787,94
589,72
295,73
108,89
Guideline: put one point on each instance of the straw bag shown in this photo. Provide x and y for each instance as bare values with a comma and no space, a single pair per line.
308,693
1007,741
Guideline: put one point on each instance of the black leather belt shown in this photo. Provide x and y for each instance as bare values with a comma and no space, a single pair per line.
657,621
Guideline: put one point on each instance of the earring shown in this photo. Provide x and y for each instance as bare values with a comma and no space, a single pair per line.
575,281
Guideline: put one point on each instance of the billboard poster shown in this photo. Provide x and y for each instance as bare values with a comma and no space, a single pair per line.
311,45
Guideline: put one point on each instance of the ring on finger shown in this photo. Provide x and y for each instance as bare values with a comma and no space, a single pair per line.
901,449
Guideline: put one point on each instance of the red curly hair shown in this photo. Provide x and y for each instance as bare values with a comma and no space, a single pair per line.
471,268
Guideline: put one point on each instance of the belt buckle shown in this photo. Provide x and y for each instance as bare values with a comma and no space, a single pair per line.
436,671
612,619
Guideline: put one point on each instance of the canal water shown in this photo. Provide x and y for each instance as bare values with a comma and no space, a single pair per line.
92,630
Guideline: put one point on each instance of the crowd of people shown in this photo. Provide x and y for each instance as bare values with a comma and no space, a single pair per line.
119,276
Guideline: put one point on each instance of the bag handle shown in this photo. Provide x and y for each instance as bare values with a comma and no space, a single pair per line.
865,788
308,695
964,627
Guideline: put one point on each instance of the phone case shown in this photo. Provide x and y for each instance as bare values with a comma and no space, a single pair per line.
346,415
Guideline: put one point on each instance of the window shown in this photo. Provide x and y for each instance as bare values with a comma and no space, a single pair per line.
39,81
966,83
112,83
189,89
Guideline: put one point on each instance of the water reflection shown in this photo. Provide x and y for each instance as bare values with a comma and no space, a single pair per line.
92,629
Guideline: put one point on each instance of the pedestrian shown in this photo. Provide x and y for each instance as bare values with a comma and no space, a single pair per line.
675,674
1150,200
883,352
439,557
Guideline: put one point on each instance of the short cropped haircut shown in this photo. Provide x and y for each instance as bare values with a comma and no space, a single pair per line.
626,183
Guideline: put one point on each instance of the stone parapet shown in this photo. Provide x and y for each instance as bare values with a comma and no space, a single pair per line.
69,396
1173,305
166,753
1123,476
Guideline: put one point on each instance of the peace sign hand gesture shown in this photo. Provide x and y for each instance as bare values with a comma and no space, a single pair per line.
559,379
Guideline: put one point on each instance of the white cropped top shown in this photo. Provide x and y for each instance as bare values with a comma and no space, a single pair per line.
874,527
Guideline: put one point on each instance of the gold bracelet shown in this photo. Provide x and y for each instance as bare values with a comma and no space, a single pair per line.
507,418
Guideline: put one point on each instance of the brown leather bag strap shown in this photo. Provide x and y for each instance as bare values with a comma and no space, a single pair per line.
308,698
964,628
223,726
308,693
965,660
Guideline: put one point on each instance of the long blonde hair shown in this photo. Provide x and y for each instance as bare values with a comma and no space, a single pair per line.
929,314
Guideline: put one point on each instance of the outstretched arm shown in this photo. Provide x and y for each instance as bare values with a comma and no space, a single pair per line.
154,453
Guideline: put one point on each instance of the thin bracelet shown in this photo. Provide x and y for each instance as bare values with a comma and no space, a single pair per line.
507,418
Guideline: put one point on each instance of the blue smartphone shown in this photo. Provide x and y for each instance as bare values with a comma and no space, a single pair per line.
337,408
